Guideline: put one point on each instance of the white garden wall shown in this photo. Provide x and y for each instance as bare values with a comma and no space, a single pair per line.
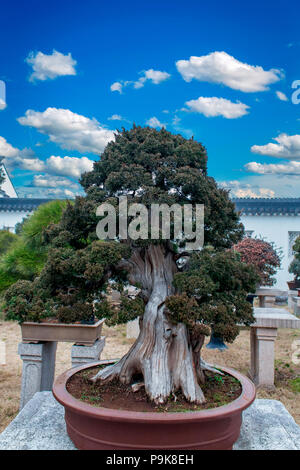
280,229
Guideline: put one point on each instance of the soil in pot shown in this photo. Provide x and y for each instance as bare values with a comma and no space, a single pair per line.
218,390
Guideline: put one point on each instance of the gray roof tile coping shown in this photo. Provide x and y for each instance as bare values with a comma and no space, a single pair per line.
17,204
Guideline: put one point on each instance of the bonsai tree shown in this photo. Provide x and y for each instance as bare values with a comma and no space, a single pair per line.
182,295
262,255
294,267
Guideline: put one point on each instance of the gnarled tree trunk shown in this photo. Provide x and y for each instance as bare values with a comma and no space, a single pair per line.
163,353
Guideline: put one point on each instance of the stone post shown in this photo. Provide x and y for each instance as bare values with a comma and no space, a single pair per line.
297,306
85,354
38,368
262,356
133,328
291,295
262,301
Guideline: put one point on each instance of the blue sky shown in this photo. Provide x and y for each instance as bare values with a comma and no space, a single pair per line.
221,71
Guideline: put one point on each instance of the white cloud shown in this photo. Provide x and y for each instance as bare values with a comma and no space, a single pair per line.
115,117
264,185
2,104
176,120
287,146
262,192
50,66
290,168
47,193
154,122
69,193
69,130
2,95
15,158
116,86
50,181
6,149
69,166
220,67
281,96
154,76
31,164
212,106
55,165
241,189
176,123
139,83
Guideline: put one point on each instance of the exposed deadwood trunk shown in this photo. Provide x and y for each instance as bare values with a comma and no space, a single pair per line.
163,353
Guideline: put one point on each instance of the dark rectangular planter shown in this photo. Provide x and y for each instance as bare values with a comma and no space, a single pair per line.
84,335
293,285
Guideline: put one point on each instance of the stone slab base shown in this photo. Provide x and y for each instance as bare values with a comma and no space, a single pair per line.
40,425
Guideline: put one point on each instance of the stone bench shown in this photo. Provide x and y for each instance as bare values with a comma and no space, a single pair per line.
267,425
264,292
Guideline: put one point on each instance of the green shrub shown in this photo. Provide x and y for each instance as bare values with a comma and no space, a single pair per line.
6,239
27,253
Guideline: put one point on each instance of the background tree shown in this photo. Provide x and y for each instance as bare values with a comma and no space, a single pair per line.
180,296
6,239
262,255
26,254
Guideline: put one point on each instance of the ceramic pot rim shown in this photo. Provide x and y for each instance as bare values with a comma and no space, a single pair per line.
73,404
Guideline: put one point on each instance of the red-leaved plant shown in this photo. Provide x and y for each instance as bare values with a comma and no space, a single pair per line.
262,255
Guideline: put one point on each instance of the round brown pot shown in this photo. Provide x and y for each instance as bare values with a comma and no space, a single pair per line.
95,428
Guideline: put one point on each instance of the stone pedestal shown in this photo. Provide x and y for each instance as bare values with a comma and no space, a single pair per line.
291,295
296,305
262,356
39,364
86,354
38,368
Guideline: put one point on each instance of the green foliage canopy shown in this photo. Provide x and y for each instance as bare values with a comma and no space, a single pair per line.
147,166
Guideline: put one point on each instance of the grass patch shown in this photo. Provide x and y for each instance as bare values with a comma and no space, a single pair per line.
295,385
